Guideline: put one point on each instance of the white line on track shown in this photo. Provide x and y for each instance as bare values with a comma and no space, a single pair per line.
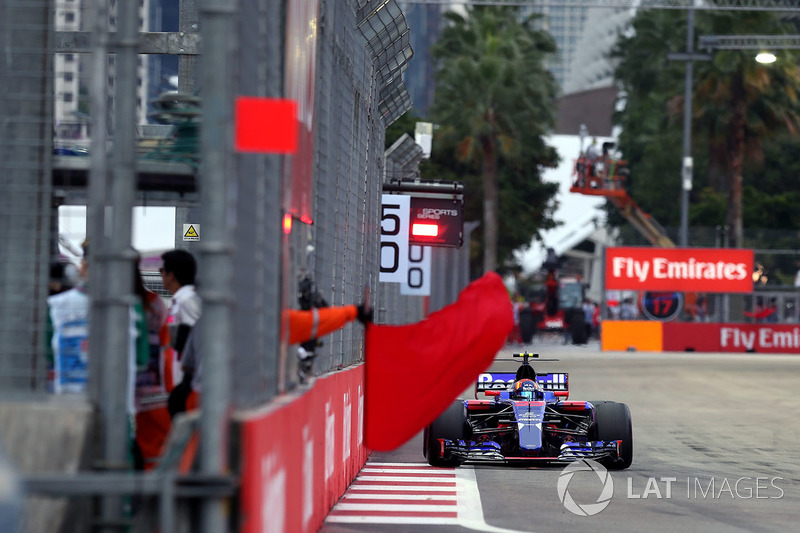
409,488
404,471
427,496
390,496
408,479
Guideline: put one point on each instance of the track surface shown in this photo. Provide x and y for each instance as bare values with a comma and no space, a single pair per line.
706,420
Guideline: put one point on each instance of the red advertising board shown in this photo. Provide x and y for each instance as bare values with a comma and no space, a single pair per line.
300,455
679,269
758,338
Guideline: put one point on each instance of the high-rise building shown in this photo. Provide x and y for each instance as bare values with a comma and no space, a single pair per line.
424,23
70,106
163,68
590,66
71,74
566,25
584,37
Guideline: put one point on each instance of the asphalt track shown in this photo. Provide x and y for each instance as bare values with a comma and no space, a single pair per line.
716,448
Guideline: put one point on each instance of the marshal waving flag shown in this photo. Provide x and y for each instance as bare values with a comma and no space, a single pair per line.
413,372
679,269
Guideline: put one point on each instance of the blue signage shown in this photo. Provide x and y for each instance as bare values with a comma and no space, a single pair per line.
664,306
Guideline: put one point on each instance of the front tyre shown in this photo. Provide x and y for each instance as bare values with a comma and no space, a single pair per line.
612,421
451,424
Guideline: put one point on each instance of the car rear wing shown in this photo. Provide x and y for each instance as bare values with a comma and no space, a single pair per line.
492,383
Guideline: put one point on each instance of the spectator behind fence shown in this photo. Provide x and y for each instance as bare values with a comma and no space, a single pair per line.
588,317
156,315
68,339
68,334
596,320
628,310
178,273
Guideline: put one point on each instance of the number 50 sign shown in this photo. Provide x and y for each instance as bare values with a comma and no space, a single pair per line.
401,263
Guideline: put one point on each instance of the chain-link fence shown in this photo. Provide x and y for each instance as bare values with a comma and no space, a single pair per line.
76,77
361,53
26,193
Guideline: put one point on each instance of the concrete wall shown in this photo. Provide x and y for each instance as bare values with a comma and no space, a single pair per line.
49,435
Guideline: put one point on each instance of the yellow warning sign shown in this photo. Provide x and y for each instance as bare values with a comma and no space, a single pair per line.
191,232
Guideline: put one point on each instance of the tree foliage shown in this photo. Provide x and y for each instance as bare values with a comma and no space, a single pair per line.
494,103
744,116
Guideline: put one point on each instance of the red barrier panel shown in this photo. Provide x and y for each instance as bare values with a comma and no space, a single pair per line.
690,336
762,338
300,455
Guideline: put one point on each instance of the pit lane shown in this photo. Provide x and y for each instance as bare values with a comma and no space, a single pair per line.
715,448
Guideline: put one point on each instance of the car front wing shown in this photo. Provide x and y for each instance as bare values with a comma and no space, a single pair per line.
570,451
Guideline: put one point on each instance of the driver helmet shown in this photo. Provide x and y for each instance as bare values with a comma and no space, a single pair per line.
525,389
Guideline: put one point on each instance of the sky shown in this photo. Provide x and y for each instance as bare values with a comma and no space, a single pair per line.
153,227
575,211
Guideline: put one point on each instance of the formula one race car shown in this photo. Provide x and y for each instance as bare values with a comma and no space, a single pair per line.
529,419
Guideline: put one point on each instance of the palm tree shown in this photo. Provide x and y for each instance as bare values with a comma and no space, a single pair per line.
493,97
740,103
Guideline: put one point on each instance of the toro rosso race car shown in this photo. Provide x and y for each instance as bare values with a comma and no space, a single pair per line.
526,417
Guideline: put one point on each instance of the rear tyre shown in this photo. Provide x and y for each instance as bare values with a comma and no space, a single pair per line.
452,425
612,421
577,327
527,325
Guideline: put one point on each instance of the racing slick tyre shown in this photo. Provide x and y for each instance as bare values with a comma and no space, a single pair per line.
451,424
577,327
612,421
527,325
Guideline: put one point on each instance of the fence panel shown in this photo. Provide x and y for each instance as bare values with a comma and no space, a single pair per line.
26,200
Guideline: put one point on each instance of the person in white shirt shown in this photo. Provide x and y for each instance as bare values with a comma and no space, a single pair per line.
178,273
593,152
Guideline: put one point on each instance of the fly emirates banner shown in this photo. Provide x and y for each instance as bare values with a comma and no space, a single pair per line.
679,269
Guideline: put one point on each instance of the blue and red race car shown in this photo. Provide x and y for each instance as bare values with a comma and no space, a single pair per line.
527,417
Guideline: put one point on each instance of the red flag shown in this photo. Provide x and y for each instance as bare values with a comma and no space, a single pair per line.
265,125
414,372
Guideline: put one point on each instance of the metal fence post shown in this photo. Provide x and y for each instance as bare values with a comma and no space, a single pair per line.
117,293
217,38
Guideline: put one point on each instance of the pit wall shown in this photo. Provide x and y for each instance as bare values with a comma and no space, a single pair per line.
651,336
299,455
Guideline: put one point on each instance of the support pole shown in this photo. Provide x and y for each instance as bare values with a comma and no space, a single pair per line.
118,261
98,107
216,254
686,167
188,22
